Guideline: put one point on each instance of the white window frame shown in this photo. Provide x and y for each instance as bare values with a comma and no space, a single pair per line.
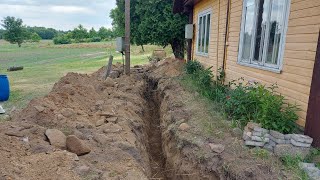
204,14
263,65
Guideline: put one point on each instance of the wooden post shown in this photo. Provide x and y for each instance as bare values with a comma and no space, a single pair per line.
313,115
109,67
189,41
127,36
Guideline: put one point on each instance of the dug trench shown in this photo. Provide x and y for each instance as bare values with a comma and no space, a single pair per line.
146,126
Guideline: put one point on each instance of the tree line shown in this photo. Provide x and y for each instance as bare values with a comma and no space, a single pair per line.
17,33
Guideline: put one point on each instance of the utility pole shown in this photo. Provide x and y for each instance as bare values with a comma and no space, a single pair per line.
127,36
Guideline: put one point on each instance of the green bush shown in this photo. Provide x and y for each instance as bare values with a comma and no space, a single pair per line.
246,102
62,39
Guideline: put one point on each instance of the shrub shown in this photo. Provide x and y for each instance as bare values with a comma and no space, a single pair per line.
62,39
246,102
96,39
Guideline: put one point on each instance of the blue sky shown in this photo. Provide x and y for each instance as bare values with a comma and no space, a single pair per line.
60,14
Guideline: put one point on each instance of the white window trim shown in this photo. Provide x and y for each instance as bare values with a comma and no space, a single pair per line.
268,67
201,14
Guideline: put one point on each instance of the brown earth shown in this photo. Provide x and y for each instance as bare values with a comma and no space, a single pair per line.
131,125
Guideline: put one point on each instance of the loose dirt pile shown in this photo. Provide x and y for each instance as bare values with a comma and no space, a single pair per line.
146,126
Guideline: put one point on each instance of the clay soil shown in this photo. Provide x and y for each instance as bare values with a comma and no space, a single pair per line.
138,139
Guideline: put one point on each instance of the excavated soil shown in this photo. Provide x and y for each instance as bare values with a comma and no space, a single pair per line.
139,137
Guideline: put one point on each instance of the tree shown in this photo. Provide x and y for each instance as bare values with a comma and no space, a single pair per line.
34,37
93,33
15,31
44,33
152,22
80,33
105,33
1,33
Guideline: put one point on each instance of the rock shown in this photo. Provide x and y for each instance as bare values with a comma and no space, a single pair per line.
77,146
56,138
112,128
218,148
268,147
277,135
260,139
302,138
300,144
67,112
237,132
114,74
109,82
260,134
100,122
39,108
312,171
247,136
112,119
99,103
281,150
262,130
60,117
288,136
278,141
83,170
184,127
254,143
5,117
252,125
15,133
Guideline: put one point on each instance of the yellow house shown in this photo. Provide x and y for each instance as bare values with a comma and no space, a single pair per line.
269,41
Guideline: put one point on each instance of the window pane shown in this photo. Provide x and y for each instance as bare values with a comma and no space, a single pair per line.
261,25
203,33
200,32
248,29
276,22
208,33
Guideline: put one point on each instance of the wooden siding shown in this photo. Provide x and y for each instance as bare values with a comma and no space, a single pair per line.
300,49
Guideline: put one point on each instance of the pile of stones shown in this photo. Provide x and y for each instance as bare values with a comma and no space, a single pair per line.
276,142
311,169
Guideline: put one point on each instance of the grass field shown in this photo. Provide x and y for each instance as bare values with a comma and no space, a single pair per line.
45,63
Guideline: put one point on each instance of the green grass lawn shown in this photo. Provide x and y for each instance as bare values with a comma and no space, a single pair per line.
45,63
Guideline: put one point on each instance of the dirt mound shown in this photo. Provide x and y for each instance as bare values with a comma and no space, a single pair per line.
131,125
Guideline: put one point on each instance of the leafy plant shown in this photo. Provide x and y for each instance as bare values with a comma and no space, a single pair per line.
193,66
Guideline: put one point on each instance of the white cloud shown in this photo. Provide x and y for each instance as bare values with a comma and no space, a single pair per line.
70,9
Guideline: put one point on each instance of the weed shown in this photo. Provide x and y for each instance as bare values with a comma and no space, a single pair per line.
313,156
260,153
291,163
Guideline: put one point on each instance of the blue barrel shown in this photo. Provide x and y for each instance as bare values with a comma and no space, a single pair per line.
4,88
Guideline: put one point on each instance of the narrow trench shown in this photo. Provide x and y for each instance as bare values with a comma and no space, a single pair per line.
154,146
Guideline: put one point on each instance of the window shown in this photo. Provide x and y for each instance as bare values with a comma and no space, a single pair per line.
203,38
262,36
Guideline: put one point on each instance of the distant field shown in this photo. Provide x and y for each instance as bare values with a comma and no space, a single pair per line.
45,63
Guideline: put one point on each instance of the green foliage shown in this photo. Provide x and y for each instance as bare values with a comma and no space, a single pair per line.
62,39
245,102
152,22
80,33
34,37
314,156
291,163
93,33
15,31
106,34
43,32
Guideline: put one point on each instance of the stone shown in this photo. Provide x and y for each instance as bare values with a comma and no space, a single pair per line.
112,119
272,143
67,112
99,103
262,130
109,82
312,171
39,108
114,74
278,141
252,125
100,122
184,127
260,139
302,138
15,133
112,128
277,135
218,148
288,136
300,144
281,150
60,117
237,132
254,143
56,138
77,146
83,170
247,136
260,134
268,147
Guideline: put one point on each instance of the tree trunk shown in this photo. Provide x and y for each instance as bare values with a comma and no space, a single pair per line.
142,48
178,48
